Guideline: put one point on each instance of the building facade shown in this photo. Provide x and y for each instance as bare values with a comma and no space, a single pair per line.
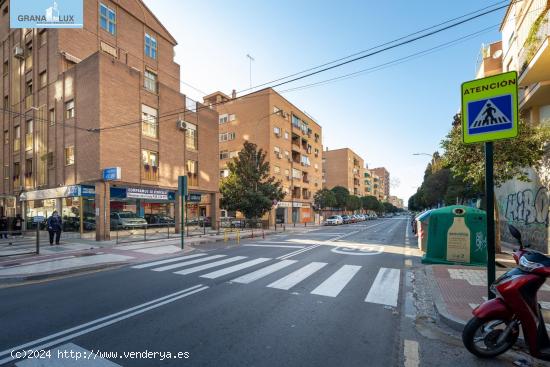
343,167
395,201
77,101
292,139
383,182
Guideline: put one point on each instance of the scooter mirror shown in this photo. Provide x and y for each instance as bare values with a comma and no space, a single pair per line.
514,232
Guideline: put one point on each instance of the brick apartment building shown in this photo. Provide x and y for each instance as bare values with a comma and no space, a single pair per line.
343,167
383,182
76,101
292,139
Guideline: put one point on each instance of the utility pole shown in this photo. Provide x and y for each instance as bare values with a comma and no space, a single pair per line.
250,59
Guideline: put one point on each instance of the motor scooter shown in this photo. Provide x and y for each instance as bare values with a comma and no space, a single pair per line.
496,324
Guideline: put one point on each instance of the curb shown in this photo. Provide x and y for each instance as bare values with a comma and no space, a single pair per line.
448,319
17,280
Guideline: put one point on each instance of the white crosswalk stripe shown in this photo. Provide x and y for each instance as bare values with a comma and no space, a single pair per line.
385,289
258,274
297,276
185,263
160,262
334,284
208,266
234,268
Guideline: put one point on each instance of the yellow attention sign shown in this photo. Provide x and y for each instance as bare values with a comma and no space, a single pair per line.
490,108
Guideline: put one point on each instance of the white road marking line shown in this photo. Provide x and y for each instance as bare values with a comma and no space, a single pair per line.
159,250
255,275
185,263
68,333
160,262
334,284
234,268
57,358
385,288
282,246
211,265
298,252
410,349
296,277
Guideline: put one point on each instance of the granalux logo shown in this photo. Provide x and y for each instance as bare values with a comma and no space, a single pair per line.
46,14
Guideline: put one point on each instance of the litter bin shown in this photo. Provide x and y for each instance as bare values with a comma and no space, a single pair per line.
455,235
422,222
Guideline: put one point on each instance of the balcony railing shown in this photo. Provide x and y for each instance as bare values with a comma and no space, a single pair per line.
150,173
28,142
539,32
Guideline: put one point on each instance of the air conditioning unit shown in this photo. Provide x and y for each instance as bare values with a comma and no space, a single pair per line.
180,124
18,52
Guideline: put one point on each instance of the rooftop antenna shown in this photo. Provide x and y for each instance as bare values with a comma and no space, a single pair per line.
250,59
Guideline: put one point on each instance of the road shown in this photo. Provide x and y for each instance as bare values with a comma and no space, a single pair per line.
334,296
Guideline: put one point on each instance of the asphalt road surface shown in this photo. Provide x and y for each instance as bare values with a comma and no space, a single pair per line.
334,296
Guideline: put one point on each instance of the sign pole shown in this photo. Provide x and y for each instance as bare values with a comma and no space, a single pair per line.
182,189
490,210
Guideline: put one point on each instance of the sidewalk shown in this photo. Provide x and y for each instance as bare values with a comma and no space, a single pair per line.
457,290
82,255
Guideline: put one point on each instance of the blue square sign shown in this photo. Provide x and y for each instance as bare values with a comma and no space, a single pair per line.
490,115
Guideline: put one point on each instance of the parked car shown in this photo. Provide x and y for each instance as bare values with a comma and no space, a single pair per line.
334,220
346,219
159,219
126,220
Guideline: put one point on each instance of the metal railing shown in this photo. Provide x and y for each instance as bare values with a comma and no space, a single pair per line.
143,233
533,43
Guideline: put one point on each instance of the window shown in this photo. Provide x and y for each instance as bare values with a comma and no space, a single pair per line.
227,136
6,137
43,37
5,67
16,138
69,155
305,161
28,88
50,160
149,122
277,131
224,154
107,19
52,117
150,46
150,161
286,135
6,172
43,79
224,173
193,173
150,81
28,57
69,109
6,104
232,117
28,135
276,169
223,119
296,174
191,136
277,152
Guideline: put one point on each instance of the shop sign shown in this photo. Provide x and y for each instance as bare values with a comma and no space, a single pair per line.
288,204
195,198
87,191
58,192
143,193
112,173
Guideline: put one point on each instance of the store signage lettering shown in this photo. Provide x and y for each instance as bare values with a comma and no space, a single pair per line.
140,193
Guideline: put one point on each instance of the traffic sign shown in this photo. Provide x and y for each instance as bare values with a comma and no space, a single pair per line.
490,108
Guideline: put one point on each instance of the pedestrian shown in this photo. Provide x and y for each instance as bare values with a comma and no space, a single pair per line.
54,227
17,225
3,227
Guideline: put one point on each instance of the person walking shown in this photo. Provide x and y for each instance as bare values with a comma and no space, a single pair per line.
17,225
54,227
3,227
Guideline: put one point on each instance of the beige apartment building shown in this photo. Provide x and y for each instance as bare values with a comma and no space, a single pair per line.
292,139
343,167
383,182
77,101
395,201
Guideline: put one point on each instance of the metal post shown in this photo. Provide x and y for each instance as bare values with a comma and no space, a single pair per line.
490,209
37,238
145,233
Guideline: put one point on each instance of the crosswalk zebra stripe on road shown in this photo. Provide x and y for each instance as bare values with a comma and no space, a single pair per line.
234,268
258,274
185,263
211,265
297,276
385,288
160,262
334,284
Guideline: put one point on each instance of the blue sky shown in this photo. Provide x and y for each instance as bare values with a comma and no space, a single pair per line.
384,116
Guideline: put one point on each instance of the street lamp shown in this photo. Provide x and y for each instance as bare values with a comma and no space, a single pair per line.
429,155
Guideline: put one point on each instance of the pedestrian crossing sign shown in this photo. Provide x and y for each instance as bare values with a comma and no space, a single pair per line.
490,108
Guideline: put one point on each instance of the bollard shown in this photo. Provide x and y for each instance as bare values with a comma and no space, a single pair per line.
37,238
225,235
238,236
263,234
252,232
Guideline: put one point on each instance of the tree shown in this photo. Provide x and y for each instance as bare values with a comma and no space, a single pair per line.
341,194
353,203
370,202
389,207
324,199
249,188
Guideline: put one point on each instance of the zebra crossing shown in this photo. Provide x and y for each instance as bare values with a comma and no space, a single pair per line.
384,290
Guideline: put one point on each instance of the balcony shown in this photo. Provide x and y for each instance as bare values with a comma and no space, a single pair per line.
150,173
534,57
28,142
535,95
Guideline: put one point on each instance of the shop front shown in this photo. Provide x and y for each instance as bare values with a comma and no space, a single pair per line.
293,212
156,206
75,204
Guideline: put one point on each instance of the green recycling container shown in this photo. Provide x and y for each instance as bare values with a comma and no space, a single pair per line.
456,234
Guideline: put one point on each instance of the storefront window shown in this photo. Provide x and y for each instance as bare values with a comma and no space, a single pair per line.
70,214
43,208
88,214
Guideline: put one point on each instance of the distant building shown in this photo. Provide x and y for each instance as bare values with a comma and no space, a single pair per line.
395,201
383,183
343,167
